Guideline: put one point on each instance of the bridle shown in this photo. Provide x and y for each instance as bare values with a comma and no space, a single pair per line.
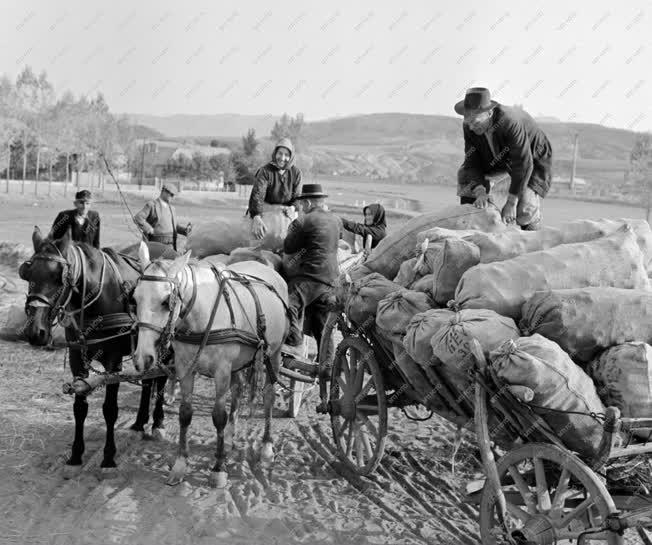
175,304
63,296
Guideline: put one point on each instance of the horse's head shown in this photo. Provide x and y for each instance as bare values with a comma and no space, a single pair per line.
158,304
50,285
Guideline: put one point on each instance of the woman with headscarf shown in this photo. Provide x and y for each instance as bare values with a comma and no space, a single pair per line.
277,182
374,224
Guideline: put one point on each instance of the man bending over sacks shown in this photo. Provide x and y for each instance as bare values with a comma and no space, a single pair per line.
501,139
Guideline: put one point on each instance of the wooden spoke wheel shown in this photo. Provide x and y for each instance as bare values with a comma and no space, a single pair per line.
358,406
551,497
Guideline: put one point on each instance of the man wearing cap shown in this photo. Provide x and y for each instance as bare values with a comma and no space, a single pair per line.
84,223
277,182
157,219
499,139
313,239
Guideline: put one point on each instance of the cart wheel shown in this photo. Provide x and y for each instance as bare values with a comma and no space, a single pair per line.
551,496
358,406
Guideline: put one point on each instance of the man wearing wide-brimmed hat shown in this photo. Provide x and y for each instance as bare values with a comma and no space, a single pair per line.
313,239
84,223
157,219
500,139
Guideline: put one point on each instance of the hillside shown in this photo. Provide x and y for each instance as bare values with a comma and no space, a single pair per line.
227,125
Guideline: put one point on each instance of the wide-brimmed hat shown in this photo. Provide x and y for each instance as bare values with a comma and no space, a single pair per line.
169,188
312,191
83,196
476,100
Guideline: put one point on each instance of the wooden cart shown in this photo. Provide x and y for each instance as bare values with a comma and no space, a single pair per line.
537,492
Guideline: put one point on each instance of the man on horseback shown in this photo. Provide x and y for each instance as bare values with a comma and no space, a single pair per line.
84,223
157,219
313,239
277,182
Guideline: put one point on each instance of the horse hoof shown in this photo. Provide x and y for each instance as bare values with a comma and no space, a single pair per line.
174,479
267,453
218,479
158,434
137,428
70,472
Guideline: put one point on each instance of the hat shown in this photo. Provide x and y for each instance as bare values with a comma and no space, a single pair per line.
83,195
169,188
477,99
309,191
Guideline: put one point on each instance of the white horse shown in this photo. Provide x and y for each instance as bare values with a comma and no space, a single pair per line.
193,298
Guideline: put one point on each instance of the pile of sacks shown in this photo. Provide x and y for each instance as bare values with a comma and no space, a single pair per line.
562,314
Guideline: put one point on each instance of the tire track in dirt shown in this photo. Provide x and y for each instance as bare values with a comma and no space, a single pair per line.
315,438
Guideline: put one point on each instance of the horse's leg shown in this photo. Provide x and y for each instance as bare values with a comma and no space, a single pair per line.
185,417
269,396
143,409
236,392
80,411
158,427
110,411
222,379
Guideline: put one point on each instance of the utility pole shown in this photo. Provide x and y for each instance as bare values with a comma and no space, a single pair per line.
142,167
572,176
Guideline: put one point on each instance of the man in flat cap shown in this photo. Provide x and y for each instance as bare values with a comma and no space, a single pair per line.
84,223
157,219
500,139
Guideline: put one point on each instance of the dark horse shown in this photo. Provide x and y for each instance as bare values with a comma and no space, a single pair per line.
61,275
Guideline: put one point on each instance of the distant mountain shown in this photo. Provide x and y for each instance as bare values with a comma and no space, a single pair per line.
227,125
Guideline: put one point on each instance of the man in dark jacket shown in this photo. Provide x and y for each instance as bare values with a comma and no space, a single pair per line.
374,224
499,139
157,219
84,223
313,239
278,182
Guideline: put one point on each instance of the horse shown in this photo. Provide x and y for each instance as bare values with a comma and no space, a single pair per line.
186,304
62,274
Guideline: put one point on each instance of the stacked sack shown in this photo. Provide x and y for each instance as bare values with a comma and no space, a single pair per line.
562,315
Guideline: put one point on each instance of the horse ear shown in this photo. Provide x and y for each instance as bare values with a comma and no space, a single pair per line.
143,255
65,241
37,238
179,263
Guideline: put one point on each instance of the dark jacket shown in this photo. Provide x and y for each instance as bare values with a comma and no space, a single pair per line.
522,149
88,232
314,239
147,219
377,229
272,187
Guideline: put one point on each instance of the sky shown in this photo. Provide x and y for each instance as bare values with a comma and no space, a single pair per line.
581,61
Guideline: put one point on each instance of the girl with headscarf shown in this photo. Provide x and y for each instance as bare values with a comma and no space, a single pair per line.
374,224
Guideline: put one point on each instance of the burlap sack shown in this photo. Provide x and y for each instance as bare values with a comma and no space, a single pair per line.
224,236
418,333
423,284
623,377
364,296
397,309
15,327
407,273
512,243
504,286
399,246
255,254
451,342
585,321
451,262
558,384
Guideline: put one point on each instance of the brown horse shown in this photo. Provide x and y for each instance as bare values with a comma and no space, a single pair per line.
189,300
61,275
